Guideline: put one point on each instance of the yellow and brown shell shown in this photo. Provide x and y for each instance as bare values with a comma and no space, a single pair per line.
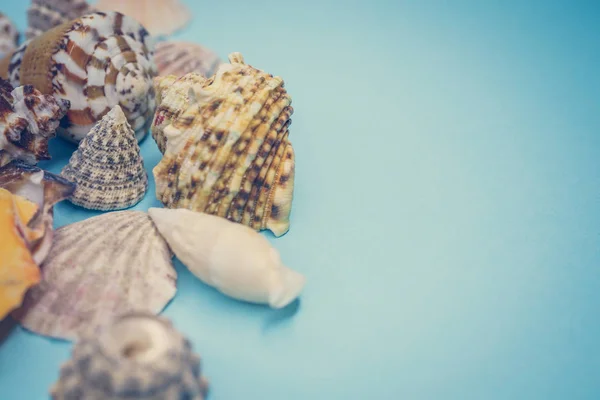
226,146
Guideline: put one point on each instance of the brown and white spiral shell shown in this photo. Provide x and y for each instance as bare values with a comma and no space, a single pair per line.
96,62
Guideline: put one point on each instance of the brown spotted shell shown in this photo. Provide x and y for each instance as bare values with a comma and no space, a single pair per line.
43,15
97,61
226,146
9,36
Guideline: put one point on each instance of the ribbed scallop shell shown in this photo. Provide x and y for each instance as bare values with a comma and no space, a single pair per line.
98,268
28,120
136,356
180,58
43,15
159,17
227,150
9,36
96,62
107,166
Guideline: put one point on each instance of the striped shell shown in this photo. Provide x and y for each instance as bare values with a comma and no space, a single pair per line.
107,166
28,120
159,17
98,268
9,36
96,62
227,151
136,356
180,58
43,15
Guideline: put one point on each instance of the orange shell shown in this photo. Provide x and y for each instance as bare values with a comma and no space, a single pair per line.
18,271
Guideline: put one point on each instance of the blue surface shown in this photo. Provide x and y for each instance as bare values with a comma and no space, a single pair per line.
446,211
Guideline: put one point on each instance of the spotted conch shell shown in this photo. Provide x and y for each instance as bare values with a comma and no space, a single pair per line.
135,356
43,15
159,17
107,166
96,61
226,146
230,257
98,268
9,36
179,58
28,120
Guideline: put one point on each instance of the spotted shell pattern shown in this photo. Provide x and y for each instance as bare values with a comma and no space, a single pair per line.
43,15
227,151
96,62
9,36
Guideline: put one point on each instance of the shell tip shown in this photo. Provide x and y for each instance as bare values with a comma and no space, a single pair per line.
290,285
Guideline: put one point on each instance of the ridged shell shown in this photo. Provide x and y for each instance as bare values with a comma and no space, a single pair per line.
43,15
28,120
227,150
96,62
180,58
99,268
107,166
9,36
136,356
159,17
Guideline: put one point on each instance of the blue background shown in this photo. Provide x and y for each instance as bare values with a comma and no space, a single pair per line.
446,210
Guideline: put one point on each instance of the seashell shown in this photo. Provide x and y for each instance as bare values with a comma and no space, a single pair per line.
180,58
159,17
230,257
42,188
98,268
28,120
18,270
9,36
96,62
43,15
135,356
107,166
226,146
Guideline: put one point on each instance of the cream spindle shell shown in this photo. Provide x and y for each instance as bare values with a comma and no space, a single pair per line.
231,257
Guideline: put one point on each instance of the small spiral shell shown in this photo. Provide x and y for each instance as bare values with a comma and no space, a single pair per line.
96,62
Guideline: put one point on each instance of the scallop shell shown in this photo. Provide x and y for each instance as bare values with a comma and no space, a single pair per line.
107,166
9,36
180,58
159,17
98,268
18,270
230,257
43,15
28,120
136,356
42,188
96,62
226,146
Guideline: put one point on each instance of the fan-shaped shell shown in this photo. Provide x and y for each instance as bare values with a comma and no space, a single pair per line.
9,36
227,151
107,166
98,268
96,62
43,15
180,58
136,356
159,17
28,120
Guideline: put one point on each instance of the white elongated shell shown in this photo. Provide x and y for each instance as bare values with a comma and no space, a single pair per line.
9,36
229,256
136,356
159,17
180,58
97,269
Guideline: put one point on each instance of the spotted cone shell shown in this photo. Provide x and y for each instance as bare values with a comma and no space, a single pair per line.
43,15
95,62
99,268
108,167
226,146
136,356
